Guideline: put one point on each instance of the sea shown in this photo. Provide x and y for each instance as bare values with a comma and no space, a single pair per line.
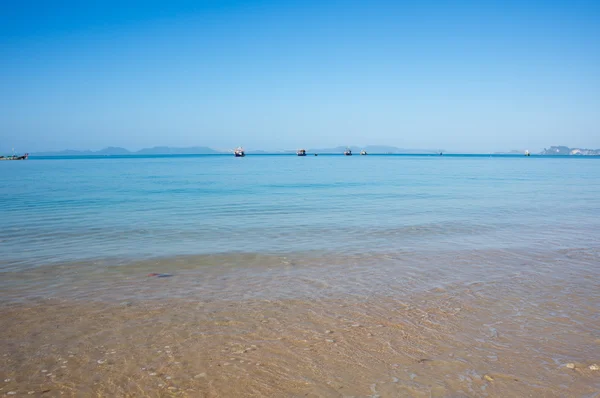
512,242
63,210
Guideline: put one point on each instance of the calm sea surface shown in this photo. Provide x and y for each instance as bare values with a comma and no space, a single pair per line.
66,210
370,275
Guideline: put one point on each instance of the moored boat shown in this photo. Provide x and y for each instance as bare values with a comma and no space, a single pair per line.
239,152
301,152
348,152
363,152
15,157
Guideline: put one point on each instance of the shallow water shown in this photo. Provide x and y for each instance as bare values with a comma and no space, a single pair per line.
436,276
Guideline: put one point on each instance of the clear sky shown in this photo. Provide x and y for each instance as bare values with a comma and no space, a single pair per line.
461,76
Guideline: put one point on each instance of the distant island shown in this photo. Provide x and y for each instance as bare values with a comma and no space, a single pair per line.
564,150
201,150
371,149
116,151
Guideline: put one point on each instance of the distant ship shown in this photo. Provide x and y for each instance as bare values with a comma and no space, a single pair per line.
15,157
348,152
301,152
239,152
527,153
363,152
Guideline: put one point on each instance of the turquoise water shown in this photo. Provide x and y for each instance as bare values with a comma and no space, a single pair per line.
128,208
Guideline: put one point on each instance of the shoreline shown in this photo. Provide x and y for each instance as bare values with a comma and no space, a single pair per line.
301,275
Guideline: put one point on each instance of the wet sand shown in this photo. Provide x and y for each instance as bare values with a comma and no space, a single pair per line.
510,335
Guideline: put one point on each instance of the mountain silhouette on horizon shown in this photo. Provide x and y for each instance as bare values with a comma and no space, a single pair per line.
203,150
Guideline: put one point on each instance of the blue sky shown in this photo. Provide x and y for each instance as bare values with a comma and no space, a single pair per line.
461,76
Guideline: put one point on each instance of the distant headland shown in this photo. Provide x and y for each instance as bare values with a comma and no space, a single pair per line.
564,150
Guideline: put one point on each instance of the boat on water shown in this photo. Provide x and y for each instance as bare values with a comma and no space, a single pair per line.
363,152
15,157
527,153
348,152
239,152
301,152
